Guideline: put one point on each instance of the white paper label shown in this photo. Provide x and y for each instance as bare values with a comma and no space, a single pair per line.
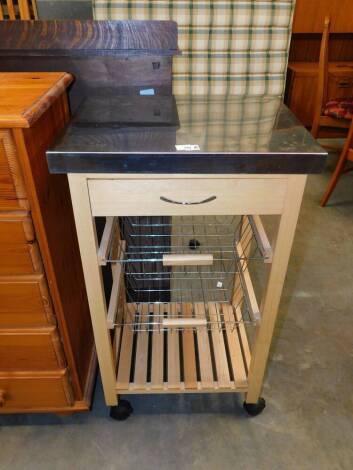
187,147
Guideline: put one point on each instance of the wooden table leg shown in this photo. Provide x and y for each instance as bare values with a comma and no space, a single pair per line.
87,239
269,309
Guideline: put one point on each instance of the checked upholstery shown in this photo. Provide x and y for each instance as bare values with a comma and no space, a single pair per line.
237,47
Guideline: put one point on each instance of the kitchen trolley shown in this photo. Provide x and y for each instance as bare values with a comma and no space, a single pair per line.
177,316
181,184
182,315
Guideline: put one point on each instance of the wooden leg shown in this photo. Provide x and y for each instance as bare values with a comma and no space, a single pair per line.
285,236
87,239
315,128
339,168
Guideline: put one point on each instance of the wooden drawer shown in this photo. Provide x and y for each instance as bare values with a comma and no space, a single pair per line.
32,349
18,253
34,391
20,259
340,85
24,302
16,228
12,189
241,195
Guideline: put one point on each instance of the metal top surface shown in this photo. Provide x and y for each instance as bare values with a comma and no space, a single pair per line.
184,134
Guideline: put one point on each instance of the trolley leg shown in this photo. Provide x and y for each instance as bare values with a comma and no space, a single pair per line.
263,337
87,239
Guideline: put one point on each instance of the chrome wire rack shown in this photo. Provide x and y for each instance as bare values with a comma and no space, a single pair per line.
149,238
183,272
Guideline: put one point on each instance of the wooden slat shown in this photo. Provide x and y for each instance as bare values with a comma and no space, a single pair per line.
140,377
34,8
114,296
247,284
189,357
157,352
219,350
173,353
243,337
261,237
1,13
11,10
116,343
124,368
103,251
24,9
204,351
235,353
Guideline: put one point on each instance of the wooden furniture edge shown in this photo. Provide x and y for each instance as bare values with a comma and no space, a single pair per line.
20,141
39,106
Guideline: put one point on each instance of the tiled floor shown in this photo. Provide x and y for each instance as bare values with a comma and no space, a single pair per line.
308,422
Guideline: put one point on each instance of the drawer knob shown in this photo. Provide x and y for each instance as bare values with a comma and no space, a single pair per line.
188,203
2,398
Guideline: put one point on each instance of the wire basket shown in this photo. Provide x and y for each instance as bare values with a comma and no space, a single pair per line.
185,272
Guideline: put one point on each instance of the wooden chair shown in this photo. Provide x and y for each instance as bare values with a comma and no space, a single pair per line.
332,114
324,115
346,155
18,10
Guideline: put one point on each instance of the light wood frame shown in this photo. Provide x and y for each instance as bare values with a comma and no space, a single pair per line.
23,10
290,207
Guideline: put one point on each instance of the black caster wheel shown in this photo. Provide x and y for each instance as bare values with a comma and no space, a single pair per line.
122,411
194,244
254,409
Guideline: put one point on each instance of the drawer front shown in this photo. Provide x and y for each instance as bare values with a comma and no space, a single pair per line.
25,302
30,350
113,197
20,259
340,86
12,189
16,228
20,392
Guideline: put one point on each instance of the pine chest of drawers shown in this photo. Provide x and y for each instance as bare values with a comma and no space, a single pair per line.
47,356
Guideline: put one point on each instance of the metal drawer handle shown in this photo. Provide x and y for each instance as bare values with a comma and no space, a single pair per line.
186,203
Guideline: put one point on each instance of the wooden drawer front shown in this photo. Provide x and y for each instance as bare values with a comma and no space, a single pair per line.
24,302
340,86
20,259
35,391
143,197
16,228
12,190
18,253
24,350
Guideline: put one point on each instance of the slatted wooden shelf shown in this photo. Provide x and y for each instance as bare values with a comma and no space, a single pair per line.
188,361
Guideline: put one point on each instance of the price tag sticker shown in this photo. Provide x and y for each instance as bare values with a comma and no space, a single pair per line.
187,148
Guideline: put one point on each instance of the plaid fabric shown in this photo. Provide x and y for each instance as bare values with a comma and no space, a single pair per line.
229,123
229,46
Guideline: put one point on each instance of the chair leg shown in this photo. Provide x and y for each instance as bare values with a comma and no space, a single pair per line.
338,170
315,128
